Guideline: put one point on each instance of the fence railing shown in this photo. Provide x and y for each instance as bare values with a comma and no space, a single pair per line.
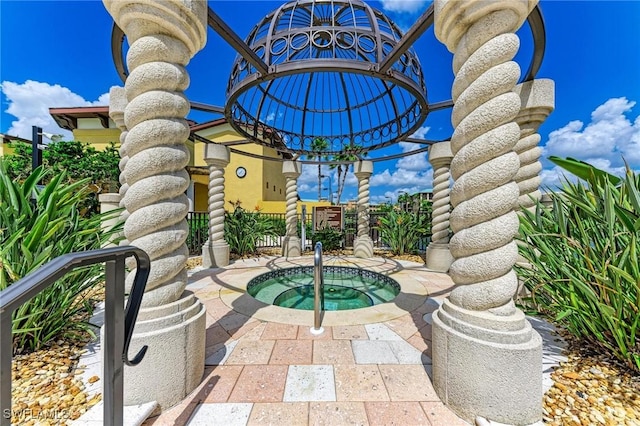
198,231
119,321
199,222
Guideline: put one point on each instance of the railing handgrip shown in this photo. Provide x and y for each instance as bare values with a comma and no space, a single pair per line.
318,284
133,307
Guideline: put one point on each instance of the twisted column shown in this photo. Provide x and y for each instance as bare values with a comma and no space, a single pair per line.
441,205
117,105
478,323
155,144
215,252
484,164
163,37
538,100
291,245
438,256
363,245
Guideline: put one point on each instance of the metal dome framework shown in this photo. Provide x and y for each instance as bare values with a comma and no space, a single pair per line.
334,74
324,81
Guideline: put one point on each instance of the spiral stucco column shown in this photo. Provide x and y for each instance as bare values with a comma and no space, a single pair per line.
117,105
363,244
215,252
291,244
163,37
438,256
538,100
487,358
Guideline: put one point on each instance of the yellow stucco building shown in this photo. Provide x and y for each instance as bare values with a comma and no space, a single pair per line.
255,182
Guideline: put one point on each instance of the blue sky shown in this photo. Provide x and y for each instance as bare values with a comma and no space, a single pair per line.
57,54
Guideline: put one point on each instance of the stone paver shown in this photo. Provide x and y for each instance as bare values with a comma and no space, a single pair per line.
260,383
221,355
278,373
220,382
279,413
439,415
251,352
310,383
288,352
381,332
373,352
334,352
224,414
395,413
407,383
359,383
350,332
274,330
337,413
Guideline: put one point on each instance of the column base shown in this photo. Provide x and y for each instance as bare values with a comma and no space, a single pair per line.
174,363
215,255
438,257
363,247
291,247
487,365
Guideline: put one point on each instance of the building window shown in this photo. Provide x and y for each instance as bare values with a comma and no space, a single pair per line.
267,185
274,189
280,191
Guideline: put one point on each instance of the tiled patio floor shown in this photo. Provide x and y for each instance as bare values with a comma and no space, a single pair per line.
264,366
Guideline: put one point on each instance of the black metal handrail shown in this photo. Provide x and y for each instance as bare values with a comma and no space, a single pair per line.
119,321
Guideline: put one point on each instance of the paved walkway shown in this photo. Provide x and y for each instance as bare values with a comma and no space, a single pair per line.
264,366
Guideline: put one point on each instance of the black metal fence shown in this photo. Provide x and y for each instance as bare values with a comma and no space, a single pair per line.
199,230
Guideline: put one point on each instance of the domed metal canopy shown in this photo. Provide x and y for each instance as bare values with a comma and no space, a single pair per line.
324,80
334,76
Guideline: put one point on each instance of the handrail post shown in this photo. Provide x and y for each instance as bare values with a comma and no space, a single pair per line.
318,284
114,343
6,353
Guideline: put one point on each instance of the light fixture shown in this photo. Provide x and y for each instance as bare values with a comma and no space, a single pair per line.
52,137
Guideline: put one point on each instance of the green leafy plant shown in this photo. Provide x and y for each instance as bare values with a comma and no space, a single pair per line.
330,238
585,257
36,226
77,160
243,229
402,231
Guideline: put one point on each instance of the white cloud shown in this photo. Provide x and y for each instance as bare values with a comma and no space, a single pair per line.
408,6
417,162
270,117
419,180
610,136
30,102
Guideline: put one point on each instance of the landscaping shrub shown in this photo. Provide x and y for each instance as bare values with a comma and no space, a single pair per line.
402,231
330,238
37,226
243,229
584,253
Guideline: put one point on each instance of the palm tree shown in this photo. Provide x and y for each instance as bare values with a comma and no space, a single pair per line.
318,146
351,155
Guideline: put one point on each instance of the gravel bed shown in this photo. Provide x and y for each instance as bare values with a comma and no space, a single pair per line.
47,388
592,389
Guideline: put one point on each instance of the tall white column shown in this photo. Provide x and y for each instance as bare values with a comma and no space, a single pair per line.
117,105
487,360
538,100
291,245
163,37
363,245
438,257
215,252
